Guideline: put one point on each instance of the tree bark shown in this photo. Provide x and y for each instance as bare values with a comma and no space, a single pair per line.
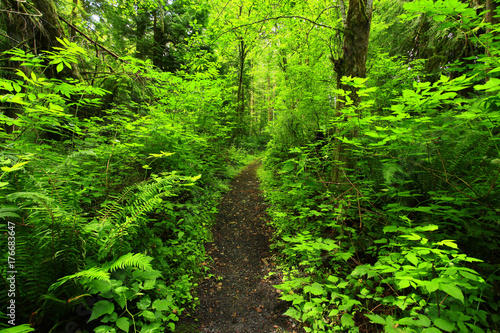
355,48
50,31
491,8
51,26
357,25
242,52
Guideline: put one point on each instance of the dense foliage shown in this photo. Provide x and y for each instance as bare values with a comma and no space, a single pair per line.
122,120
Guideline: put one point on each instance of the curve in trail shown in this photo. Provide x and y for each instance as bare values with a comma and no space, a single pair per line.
239,298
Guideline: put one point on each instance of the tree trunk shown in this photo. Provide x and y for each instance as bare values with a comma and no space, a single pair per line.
50,31
269,104
357,24
51,26
242,52
491,8
355,49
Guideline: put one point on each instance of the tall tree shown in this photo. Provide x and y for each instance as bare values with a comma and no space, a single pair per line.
357,23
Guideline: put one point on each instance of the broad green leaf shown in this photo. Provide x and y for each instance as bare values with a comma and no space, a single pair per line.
149,284
412,257
144,303
148,315
444,324
432,286
123,323
104,329
376,319
292,312
315,289
493,84
347,320
161,305
404,284
439,18
101,308
153,328
431,330
452,290
449,243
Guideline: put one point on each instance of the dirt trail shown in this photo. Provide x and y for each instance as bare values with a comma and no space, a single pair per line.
239,298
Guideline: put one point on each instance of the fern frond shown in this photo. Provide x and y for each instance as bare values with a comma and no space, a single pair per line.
35,196
94,273
138,260
24,328
8,211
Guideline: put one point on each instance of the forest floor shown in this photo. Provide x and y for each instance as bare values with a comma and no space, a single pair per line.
239,296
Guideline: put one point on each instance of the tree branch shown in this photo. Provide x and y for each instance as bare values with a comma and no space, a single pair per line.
279,18
114,55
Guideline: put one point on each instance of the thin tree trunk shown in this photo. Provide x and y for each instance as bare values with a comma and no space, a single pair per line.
241,84
72,31
269,106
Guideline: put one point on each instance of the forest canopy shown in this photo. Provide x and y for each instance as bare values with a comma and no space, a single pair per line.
377,121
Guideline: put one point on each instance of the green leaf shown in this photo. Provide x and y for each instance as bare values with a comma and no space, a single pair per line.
444,324
148,315
439,18
412,257
292,312
149,284
60,67
104,329
432,286
376,319
347,320
144,303
431,330
493,84
24,328
452,290
101,308
161,304
315,289
449,243
404,284
123,323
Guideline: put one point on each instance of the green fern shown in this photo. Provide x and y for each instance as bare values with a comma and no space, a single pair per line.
138,260
121,218
18,329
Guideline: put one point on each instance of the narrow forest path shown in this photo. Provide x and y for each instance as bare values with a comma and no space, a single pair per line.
239,298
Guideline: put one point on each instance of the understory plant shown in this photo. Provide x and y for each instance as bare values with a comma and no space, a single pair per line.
380,217
111,195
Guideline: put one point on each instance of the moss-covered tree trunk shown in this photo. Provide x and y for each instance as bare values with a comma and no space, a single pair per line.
356,22
51,30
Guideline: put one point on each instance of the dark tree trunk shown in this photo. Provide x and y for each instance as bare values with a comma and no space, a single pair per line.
46,37
491,7
356,24
242,53
355,49
51,26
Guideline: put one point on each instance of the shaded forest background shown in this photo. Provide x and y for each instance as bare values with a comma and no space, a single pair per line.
378,123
